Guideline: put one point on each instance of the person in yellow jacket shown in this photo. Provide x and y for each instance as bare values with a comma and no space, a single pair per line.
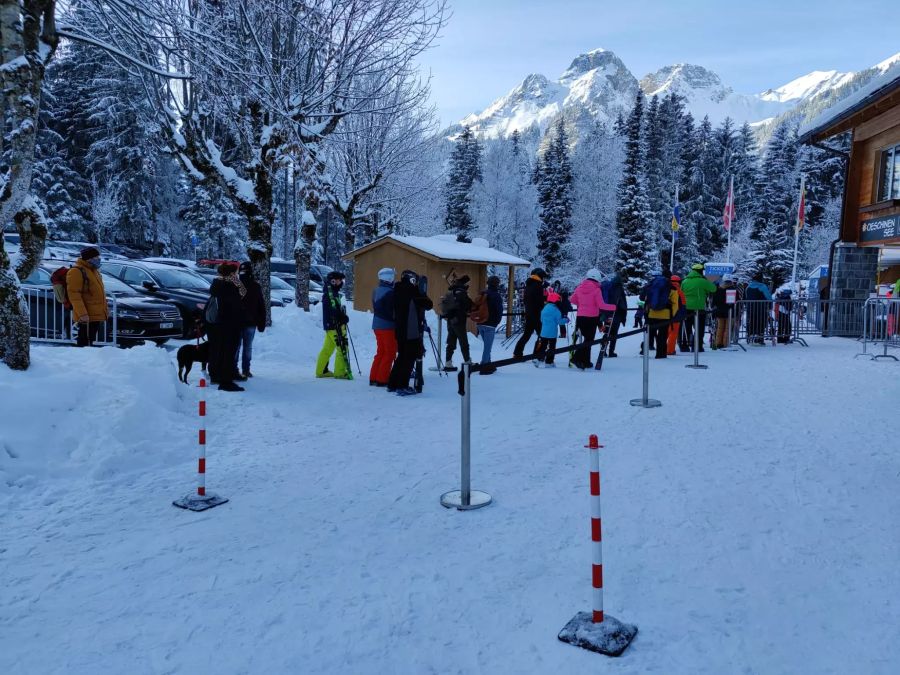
658,319
84,287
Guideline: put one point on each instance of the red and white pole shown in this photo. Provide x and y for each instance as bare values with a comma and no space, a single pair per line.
596,530
202,500
201,462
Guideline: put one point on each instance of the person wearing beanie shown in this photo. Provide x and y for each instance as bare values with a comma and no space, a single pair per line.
697,289
226,295
588,298
534,305
659,290
455,308
254,319
84,286
334,321
383,325
722,312
552,319
487,312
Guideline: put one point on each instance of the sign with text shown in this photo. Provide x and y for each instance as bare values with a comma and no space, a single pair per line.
718,269
879,229
730,296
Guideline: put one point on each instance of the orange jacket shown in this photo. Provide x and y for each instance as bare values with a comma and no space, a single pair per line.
87,299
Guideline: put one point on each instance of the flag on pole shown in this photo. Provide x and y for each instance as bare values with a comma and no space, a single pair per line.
676,217
801,209
728,214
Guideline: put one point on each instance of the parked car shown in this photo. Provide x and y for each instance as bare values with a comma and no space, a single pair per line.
287,271
181,287
138,317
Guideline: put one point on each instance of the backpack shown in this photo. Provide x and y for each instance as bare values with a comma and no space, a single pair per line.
480,311
658,294
449,304
60,288
211,311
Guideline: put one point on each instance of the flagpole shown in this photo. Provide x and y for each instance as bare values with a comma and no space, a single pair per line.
730,222
674,232
800,208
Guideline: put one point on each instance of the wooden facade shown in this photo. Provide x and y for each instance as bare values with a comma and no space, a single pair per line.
875,127
388,252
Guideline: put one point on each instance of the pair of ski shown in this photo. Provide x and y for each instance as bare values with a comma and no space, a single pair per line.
577,338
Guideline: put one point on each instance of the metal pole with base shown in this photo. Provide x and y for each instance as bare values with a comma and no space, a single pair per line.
645,401
732,346
696,365
465,499
439,366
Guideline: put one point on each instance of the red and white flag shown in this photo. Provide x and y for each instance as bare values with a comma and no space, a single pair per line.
728,214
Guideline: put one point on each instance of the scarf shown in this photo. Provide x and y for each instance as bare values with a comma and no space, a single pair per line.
233,279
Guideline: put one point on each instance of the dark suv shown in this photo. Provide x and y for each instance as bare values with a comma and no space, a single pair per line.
181,287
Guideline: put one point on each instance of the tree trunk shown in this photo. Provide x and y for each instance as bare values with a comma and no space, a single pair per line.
20,81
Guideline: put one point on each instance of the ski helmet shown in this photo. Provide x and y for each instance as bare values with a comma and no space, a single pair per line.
410,276
553,296
594,274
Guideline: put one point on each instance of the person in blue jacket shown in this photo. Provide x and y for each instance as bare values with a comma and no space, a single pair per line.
551,320
383,327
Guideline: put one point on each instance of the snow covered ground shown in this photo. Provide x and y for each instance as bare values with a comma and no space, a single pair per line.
750,524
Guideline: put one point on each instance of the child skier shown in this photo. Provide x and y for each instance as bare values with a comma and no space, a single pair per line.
552,318
334,320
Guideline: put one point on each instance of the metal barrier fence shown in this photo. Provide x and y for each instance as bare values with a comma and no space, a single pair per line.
52,323
881,325
785,321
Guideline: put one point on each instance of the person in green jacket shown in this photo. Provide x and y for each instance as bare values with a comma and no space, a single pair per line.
897,289
697,288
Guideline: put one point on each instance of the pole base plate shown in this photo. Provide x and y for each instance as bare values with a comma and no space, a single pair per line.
453,500
649,403
610,637
699,366
194,502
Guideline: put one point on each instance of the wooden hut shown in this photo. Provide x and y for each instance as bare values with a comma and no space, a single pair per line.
441,258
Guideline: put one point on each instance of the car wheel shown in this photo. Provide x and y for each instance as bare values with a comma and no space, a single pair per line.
161,341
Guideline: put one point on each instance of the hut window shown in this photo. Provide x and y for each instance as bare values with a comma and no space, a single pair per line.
889,174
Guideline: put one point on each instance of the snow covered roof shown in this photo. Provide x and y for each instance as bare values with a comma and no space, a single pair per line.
446,247
877,88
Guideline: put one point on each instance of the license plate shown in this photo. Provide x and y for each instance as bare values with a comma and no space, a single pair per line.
167,325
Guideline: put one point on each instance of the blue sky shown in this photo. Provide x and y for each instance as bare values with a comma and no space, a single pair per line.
489,46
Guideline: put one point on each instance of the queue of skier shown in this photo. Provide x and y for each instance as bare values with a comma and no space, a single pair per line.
672,307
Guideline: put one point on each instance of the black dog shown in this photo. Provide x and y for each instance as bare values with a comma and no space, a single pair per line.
188,355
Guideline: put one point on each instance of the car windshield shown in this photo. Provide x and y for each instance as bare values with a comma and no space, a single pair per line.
179,278
281,285
113,285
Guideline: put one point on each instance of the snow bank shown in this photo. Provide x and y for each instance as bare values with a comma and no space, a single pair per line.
98,413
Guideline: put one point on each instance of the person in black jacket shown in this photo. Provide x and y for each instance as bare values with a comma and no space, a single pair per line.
334,321
254,319
410,306
487,314
456,321
614,294
534,305
224,333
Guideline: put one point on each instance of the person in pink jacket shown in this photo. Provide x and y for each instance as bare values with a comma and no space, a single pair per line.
588,298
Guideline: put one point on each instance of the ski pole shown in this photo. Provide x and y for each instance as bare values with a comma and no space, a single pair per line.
434,350
358,369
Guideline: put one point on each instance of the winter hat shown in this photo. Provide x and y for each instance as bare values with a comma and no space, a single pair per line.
538,272
227,268
387,274
697,267
245,268
674,277
594,274
334,274
493,282
553,296
463,280
89,252
410,276
726,278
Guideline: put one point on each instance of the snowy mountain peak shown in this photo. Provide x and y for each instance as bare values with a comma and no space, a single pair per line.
888,63
592,60
684,78
807,86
